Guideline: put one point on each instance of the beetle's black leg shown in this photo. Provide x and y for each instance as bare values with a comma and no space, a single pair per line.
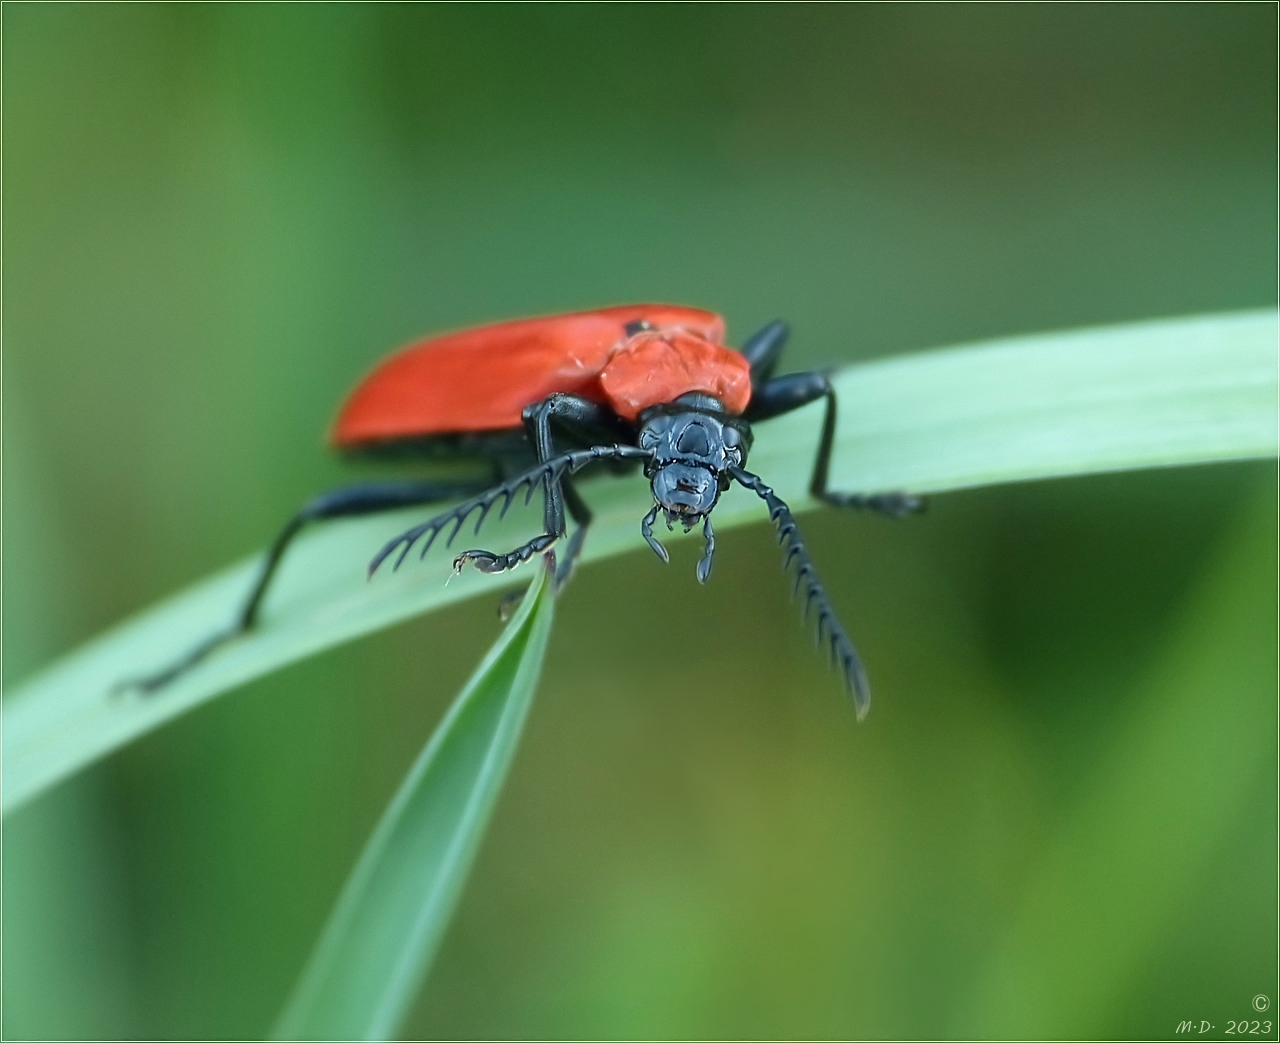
763,349
840,648
783,394
708,549
646,530
574,414
340,503
582,515
506,492
564,569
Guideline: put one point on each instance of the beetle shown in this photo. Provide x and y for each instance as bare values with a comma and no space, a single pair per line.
536,402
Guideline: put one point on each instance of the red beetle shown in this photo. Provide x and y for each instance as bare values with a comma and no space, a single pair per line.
538,400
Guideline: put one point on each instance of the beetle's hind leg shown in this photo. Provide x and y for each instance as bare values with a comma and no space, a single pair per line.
340,503
582,515
586,420
562,495
487,561
553,525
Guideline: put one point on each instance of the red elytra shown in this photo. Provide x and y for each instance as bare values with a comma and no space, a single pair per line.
482,379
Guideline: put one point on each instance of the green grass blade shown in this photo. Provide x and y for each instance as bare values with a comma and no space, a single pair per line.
1151,394
376,949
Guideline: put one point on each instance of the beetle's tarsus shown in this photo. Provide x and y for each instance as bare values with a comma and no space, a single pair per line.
487,561
152,683
894,504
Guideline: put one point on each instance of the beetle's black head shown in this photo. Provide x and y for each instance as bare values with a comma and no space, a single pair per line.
693,441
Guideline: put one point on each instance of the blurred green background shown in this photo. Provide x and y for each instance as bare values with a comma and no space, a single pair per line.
1060,818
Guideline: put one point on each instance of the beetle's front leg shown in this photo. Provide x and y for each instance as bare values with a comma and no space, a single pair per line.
487,561
553,524
577,415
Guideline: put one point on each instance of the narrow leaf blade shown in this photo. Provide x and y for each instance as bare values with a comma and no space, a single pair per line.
376,949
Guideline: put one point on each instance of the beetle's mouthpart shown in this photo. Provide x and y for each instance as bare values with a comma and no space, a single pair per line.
646,530
688,521
685,492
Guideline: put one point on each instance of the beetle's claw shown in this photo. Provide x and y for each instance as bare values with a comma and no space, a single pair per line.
481,559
